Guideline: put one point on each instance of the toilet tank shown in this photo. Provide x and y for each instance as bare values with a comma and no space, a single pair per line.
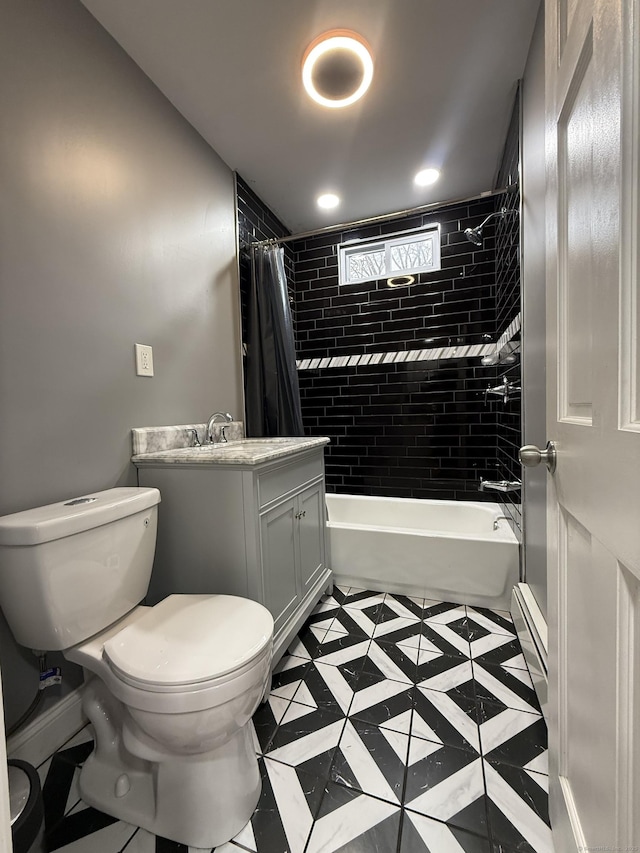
71,569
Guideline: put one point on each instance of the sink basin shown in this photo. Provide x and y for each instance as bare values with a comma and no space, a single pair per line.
251,444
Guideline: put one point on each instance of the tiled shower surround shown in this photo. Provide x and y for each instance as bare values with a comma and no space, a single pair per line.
416,428
507,242
413,429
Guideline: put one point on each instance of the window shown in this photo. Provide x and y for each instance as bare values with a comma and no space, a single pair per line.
402,254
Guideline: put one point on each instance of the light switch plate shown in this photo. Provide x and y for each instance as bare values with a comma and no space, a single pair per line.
144,360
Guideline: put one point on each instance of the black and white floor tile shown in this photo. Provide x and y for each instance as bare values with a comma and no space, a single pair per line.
394,725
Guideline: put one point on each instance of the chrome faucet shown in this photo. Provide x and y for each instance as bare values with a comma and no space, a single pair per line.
497,519
500,485
504,390
226,417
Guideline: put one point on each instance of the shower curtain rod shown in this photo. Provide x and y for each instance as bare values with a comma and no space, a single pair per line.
371,220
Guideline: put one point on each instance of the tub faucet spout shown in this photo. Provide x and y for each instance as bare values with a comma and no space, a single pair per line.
226,417
500,485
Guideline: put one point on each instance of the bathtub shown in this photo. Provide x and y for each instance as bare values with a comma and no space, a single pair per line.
444,550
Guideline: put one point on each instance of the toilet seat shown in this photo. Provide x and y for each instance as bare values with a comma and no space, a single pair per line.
190,643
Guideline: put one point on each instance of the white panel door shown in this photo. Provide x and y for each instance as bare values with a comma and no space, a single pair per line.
593,415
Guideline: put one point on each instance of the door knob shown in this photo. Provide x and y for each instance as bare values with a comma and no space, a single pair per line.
530,456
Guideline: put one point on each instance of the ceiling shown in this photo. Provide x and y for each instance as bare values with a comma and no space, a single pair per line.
443,88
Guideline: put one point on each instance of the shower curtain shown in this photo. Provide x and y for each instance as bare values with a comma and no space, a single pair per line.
272,392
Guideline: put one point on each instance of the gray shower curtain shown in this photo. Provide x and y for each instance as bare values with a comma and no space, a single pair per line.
272,392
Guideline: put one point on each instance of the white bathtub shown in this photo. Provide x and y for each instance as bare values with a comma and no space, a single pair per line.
444,550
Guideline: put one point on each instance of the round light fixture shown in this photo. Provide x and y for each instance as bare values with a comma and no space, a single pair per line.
328,200
400,281
337,68
426,177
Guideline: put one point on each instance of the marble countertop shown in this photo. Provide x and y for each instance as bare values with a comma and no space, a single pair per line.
247,451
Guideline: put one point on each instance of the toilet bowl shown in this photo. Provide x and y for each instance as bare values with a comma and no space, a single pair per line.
170,689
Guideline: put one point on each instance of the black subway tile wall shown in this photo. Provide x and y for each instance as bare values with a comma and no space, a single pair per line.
414,429
255,222
508,423
417,428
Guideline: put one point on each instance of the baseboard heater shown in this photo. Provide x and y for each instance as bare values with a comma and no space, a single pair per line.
531,627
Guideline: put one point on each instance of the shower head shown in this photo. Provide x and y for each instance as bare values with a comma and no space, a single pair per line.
474,235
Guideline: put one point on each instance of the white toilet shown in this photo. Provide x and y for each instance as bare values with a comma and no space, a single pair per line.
170,689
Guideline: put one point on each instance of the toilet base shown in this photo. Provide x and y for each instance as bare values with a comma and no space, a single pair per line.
201,802
198,800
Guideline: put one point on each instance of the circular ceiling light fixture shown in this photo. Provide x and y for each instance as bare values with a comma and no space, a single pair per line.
401,281
426,177
328,201
337,68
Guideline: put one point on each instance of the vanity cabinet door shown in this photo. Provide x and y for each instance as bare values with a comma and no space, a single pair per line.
311,515
278,535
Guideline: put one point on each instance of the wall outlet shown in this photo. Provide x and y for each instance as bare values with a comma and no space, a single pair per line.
144,360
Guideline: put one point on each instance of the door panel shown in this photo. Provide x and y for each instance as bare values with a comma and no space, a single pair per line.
589,641
575,273
628,679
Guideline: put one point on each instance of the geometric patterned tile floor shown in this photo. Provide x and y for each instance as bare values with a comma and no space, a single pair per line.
394,725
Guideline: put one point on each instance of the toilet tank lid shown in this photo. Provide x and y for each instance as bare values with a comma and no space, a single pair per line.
75,515
186,639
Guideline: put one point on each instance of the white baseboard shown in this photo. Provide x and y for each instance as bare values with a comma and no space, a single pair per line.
41,738
531,628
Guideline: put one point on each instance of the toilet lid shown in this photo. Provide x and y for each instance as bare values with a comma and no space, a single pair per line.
186,639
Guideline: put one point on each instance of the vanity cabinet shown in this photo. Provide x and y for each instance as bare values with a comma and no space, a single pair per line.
292,541
253,530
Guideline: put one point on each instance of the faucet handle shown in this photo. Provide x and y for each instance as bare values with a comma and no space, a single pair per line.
196,440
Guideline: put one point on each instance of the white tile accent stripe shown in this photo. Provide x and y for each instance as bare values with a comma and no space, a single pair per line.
432,354
397,357
509,332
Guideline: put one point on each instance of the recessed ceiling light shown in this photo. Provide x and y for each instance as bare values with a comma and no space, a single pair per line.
337,68
426,177
328,200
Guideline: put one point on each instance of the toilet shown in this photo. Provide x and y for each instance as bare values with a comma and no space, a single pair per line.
170,689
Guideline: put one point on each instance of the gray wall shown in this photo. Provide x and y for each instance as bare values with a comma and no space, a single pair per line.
116,226
533,312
